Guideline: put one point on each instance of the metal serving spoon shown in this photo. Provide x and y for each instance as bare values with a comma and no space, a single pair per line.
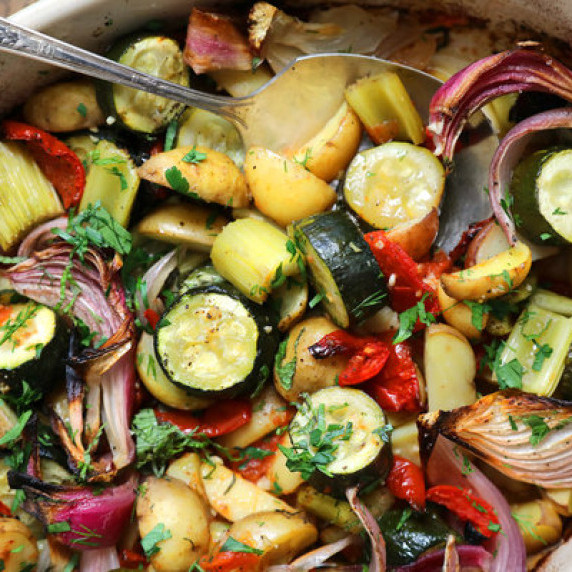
287,111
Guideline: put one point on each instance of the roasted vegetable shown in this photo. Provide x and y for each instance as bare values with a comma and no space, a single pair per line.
214,342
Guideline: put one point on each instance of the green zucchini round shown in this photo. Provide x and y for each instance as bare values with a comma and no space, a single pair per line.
353,422
34,346
137,110
214,342
341,266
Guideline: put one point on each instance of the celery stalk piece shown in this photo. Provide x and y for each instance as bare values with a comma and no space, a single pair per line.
254,256
539,341
553,302
385,108
26,196
111,179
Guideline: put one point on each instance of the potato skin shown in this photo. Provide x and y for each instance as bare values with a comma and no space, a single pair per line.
310,374
183,513
63,107
18,546
281,536
283,189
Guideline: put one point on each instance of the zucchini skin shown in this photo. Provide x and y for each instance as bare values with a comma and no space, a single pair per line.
43,371
266,347
340,245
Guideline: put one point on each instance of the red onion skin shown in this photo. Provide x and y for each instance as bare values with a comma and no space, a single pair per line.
469,556
99,560
378,552
444,467
509,153
477,84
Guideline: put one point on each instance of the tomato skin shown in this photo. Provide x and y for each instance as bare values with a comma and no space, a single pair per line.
231,562
131,559
407,482
254,469
152,317
468,507
218,419
57,161
367,362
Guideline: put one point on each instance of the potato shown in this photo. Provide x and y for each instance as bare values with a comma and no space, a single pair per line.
156,381
241,82
269,411
182,512
331,150
187,468
488,242
233,497
279,535
405,442
416,236
194,226
214,179
450,368
309,374
65,106
292,300
539,524
282,479
18,547
459,315
283,189
561,500
490,278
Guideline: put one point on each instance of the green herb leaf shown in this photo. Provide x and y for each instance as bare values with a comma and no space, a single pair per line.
82,109
176,180
170,135
55,527
478,312
150,541
14,433
233,545
194,156
409,318
543,352
510,374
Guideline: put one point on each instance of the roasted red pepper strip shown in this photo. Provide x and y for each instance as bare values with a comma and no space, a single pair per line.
368,355
254,469
365,363
406,482
231,562
132,560
467,507
57,161
219,419
4,510
405,284
396,386
152,317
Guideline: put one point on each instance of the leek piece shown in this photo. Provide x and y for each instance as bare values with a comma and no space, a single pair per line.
26,196
539,341
111,179
254,256
385,109
553,302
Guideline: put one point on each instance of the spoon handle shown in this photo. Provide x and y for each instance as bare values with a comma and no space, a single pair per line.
31,44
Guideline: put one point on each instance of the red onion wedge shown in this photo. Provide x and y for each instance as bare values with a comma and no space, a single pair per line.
508,154
522,435
523,69
99,560
76,516
93,294
449,466
378,554
470,557
215,43
451,557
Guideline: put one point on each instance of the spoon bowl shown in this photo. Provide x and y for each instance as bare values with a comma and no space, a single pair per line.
290,109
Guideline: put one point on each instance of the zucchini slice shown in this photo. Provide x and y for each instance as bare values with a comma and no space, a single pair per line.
213,341
135,109
394,183
341,266
351,421
33,345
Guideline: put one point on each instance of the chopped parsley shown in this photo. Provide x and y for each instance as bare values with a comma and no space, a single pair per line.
233,545
82,109
170,135
150,541
194,156
286,371
409,317
12,325
176,180
373,300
